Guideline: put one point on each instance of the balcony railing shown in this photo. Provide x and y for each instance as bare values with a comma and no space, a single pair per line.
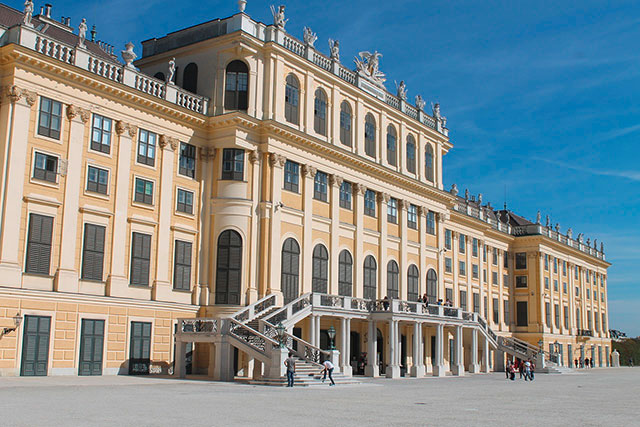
585,333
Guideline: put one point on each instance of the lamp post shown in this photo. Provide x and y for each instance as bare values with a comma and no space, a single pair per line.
540,344
332,334
17,320
280,334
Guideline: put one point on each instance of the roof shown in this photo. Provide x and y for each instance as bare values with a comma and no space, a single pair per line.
10,17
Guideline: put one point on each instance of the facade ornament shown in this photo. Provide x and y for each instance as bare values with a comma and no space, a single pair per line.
278,16
334,48
548,222
168,142
443,217
82,33
133,130
466,194
242,4
420,103
383,197
15,94
368,66
401,90
588,242
437,115
120,127
403,204
172,70
254,156
580,237
595,244
309,37
73,112
335,180
454,189
557,227
129,55
538,218
310,171
569,233
601,247
480,199
359,189
28,13
207,153
276,160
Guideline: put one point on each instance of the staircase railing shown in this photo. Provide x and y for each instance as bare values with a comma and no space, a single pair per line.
254,339
257,308
289,310
298,346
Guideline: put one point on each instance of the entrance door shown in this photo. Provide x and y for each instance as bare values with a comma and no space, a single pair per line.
91,344
35,346
433,350
297,332
380,349
403,355
452,352
140,348
355,352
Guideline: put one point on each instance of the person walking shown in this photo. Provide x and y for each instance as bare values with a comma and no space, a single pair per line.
527,370
631,362
290,363
327,369
521,369
576,363
507,370
532,369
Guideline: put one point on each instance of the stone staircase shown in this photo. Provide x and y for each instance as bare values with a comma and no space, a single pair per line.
307,375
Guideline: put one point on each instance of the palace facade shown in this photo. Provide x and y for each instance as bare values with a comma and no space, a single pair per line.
238,191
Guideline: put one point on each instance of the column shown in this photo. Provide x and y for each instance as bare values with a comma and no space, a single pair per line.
206,181
403,206
358,203
276,161
439,153
223,366
162,289
66,279
372,369
334,250
253,293
312,331
485,357
474,367
393,368
417,368
308,174
345,351
422,230
383,200
438,358
117,281
180,369
317,343
442,217
16,134
458,367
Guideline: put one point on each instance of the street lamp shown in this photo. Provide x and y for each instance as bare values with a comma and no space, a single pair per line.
332,334
280,334
17,319
540,344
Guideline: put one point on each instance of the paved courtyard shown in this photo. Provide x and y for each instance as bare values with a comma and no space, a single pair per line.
598,397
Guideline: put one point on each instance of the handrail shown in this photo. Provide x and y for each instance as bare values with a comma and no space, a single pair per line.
292,308
301,348
251,311
199,325
250,336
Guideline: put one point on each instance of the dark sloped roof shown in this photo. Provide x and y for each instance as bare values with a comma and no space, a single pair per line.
10,17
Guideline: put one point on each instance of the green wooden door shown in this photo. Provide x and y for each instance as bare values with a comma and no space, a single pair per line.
140,348
35,346
91,345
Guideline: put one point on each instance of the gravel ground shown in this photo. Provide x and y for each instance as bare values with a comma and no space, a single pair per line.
596,397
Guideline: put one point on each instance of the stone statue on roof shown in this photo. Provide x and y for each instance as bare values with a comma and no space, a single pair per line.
172,70
557,227
420,103
595,244
368,66
28,13
569,233
538,218
82,32
548,222
466,194
278,16
440,119
601,247
309,37
401,90
334,47
588,242
454,189
480,199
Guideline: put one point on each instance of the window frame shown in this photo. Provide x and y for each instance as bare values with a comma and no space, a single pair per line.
346,117
392,210
320,108
96,189
370,136
346,194
392,146
291,174
320,186
144,193
181,206
240,71
45,172
431,223
99,146
98,253
412,216
46,130
145,159
140,259
370,199
410,152
232,157
186,169
292,99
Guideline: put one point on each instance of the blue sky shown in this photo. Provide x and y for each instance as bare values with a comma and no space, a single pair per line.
541,96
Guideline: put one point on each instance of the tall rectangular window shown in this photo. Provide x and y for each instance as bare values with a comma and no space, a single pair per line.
462,268
93,252
521,281
233,164
546,262
185,201
521,314
564,268
494,260
292,176
392,211
555,285
555,265
412,217
496,311
505,255
449,294
462,243
97,180
147,147
448,266
346,191
565,310
556,312
182,266
576,274
474,247
447,239
505,280
463,300
144,191
370,203
431,223
476,302
547,311
39,244
187,160
486,308
521,260
45,167
475,271
50,118
564,287
140,259
546,283
494,277
101,134
507,313
320,186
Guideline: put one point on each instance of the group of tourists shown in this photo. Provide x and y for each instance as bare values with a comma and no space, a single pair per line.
290,363
526,369
423,299
583,363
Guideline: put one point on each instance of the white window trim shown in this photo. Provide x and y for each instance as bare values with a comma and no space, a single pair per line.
37,122
193,205
113,137
152,206
36,181
155,154
88,193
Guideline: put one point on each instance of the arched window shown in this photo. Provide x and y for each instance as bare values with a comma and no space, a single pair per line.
160,76
411,154
236,94
432,286
229,268
320,113
428,162
370,277
392,279
290,272
190,78
392,140
413,283
345,274
291,99
320,274
345,123
370,136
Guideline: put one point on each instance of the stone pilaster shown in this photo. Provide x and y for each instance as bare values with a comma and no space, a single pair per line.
276,162
358,203
334,251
